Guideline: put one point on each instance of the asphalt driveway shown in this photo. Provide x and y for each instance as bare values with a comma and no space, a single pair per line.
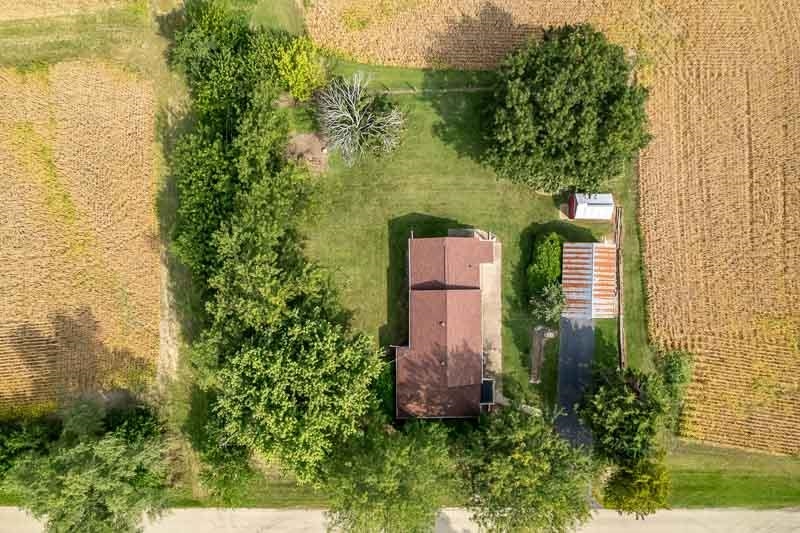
576,352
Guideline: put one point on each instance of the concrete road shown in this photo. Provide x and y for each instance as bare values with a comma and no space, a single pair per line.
450,521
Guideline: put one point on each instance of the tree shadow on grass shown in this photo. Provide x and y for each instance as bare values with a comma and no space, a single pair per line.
467,43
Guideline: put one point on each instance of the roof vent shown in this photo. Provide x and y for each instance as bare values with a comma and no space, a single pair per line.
442,323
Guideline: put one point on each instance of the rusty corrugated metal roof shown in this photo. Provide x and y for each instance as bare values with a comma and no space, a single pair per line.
589,279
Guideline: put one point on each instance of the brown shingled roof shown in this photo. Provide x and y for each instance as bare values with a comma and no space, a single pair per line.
439,373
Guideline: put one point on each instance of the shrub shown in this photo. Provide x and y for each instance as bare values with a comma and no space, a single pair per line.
545,266
564,113
300,67
356,121
19,437
676,372
639,490
524,477
624,413
546,307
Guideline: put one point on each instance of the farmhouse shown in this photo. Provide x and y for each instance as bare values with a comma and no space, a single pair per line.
441,374
589,280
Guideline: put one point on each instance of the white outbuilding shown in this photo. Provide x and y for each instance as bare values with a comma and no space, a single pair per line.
591,206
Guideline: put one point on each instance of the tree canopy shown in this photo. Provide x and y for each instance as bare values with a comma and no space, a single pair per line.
565,113
102,474
625,413
524,477
391,481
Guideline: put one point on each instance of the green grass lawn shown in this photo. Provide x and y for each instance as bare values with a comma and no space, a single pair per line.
606,347
548,388
638,350
708,476
430,184
278,14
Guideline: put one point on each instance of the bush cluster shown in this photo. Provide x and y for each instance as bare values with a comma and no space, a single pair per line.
545,296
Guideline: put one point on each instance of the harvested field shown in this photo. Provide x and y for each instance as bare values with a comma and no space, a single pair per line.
28,9
719,184
79,244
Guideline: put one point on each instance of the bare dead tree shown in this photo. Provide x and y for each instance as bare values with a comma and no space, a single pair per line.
355,120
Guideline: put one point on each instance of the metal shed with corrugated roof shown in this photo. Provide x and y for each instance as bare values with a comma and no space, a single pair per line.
589,280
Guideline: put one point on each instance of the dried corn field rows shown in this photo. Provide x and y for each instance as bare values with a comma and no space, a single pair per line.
79,253
719,184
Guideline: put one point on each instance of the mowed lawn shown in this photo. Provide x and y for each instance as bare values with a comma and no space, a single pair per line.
709,476
432,183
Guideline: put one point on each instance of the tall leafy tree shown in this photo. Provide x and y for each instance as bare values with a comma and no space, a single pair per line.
639,490
524,477
565,113
101,475
625,413
391,481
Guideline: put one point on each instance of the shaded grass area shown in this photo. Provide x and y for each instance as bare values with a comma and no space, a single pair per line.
606,351
548,388
709,476
367,212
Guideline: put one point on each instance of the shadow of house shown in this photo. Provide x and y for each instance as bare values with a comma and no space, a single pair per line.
66,358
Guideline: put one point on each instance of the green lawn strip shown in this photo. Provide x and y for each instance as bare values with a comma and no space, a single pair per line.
606,351
413,79
278,14
709,476
638,350
259,492
548,387
430,184
53,39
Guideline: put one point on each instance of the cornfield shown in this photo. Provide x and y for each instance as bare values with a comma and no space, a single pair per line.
719,183
79,244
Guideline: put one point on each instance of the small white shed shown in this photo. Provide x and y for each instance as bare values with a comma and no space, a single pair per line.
591,206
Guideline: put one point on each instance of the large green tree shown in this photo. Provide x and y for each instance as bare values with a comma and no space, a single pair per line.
101,475
625,412
391,481
565,113
524,477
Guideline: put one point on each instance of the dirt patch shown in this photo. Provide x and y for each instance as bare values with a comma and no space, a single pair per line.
310,149
79,261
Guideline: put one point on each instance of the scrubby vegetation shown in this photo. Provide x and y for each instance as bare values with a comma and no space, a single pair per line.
93,470
564,114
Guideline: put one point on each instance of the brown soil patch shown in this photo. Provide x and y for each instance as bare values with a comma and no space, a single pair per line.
79,261
308,148
719,184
